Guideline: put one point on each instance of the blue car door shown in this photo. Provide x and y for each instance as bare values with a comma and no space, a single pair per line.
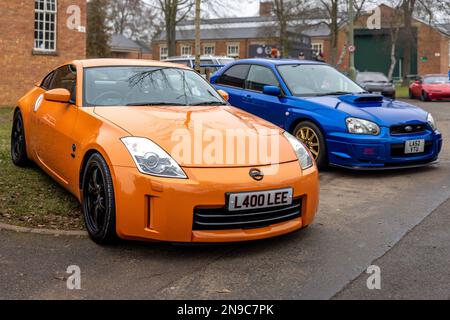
232,81
269,107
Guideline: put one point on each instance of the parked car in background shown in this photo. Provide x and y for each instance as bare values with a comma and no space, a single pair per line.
334,117
213,63
431,87
376,82
104,129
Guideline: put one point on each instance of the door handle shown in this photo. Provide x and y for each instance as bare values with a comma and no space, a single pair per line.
248,98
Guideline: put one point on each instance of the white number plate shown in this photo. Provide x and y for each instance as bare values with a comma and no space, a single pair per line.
415,146
259,199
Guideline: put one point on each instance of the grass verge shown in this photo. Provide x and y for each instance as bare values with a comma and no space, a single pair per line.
402,92
28,197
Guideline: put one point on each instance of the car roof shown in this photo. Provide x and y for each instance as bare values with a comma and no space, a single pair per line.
88,63
435,75
193,57
277,62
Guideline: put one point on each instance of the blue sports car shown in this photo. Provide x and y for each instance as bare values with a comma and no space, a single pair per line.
340,123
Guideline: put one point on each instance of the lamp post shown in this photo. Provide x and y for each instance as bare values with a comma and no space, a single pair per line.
351,40
197,35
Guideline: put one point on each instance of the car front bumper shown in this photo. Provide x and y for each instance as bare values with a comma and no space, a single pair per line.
442,95
364,152
161,209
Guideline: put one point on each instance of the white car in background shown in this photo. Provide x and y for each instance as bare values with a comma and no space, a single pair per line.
213,63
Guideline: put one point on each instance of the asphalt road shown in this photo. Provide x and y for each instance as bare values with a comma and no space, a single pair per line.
398,221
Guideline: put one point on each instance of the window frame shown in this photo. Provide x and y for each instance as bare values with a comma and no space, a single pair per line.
73,94
44,13
234,44
229,68
183,47
209,45
320,44
166,55
262,66
49,76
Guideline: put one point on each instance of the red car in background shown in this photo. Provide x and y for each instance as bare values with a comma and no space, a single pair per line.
431,87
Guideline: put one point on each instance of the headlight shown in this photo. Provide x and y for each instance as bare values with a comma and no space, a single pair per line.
302,154
360,126
431,121
152,159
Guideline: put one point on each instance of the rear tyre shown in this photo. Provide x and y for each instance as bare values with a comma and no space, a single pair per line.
311,135
18,144
410,94
99,210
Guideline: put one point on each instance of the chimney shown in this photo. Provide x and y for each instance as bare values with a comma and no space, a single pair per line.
265,8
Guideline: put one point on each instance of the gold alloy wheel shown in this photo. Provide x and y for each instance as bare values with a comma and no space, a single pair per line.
309,137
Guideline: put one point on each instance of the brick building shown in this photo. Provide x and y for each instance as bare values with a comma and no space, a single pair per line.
125,48
242,37
36,36
430,48
235,37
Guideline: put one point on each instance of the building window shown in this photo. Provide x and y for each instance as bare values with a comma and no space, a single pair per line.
186,50
209,49
163,53
233,50
45,25
317,47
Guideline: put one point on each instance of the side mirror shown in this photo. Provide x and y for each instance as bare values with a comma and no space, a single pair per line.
57,95
224,94
272,91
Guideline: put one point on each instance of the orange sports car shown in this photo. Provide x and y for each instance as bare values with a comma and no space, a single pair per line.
153,152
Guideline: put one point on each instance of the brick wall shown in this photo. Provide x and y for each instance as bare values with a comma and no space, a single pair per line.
19,67
434,46
220,46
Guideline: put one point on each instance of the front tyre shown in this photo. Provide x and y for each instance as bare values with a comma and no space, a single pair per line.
18,144
425,97
311,135
99,208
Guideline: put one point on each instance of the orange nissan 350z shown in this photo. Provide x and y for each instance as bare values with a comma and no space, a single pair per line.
153,151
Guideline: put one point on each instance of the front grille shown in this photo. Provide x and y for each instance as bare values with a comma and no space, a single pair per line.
398,150
412,128
221,219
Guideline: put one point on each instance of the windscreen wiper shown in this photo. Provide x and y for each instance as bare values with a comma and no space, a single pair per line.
208,103
144,104
336,93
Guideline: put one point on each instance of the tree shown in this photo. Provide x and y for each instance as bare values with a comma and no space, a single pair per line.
174,11
132,18
337,14
97,30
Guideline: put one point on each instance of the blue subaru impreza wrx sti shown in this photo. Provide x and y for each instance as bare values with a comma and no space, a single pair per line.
340,123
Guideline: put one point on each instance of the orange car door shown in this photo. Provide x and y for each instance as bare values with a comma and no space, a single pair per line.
54,123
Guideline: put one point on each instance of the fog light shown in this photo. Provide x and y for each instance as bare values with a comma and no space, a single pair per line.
369,151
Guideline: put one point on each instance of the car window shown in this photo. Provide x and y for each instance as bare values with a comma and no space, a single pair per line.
371,77
144,86
66,78
45,84
316,80
235,76
436,80
260,76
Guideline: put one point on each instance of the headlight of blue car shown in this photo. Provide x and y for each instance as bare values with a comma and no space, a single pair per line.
361,126
431,122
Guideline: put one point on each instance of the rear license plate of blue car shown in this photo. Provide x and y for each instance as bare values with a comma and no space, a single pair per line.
415,146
